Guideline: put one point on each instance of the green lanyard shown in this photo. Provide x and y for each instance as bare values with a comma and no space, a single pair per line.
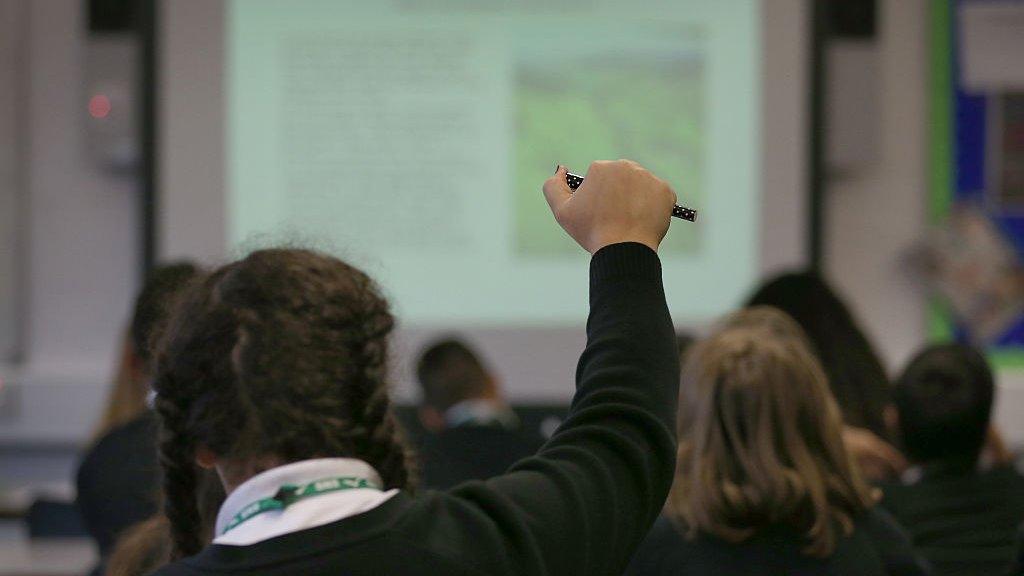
290,494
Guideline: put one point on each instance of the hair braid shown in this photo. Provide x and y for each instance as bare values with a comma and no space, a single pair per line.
182,394
382,442
180,482
282,356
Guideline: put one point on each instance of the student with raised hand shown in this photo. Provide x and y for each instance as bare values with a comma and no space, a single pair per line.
764,485
273,373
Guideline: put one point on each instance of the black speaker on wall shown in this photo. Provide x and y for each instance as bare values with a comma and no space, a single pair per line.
111,16
852,19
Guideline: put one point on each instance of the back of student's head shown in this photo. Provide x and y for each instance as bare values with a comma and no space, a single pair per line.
449,372
276,358
775,322
160,291
854,371
944,399
760,442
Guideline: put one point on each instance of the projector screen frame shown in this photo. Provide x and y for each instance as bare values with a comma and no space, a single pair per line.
191,155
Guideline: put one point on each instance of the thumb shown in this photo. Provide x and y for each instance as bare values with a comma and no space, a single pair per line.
557,191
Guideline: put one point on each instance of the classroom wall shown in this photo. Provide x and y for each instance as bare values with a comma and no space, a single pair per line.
11,42
875,205
82,252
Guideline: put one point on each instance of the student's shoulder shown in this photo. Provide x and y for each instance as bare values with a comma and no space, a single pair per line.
666,550
665,534
891,542
140,431
1006,473
879,522
472,525
1005,483
179,568
136,438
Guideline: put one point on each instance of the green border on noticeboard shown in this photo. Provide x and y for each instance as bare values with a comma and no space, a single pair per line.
942,159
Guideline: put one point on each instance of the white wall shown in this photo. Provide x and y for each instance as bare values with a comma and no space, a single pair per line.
82,247
876,209
82,252
784,117
84,227
12,44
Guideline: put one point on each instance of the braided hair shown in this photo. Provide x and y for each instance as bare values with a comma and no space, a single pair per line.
281,354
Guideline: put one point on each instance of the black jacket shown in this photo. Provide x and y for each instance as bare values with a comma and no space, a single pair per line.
118,480
471,452
964,522
877,547
580,506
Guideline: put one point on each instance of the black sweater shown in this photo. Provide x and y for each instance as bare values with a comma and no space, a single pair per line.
877,547
118,481
580,506
471,452
963,521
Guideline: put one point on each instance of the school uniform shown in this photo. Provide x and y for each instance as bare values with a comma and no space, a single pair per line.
479,441
581,505
877,546
964,520
118,481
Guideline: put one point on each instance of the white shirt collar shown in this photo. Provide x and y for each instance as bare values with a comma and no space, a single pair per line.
480,411
304,514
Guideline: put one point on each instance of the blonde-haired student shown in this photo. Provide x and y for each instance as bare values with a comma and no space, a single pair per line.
764,484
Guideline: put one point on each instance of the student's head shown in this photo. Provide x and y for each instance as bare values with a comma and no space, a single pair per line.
769,319
944,401
855,373
276,358
160,291
760,442
449,372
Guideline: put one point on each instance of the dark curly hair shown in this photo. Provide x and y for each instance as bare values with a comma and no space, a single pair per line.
282,354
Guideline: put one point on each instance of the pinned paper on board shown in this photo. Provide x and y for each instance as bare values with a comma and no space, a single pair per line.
991,44
969,263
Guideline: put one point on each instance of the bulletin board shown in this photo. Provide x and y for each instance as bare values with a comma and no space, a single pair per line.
972,146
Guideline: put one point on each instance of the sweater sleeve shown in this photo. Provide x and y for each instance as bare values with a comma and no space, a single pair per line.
585,501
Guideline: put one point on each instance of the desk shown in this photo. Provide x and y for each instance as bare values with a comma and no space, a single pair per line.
47,557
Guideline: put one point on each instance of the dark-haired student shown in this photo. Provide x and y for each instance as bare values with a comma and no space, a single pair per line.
273,372
472,432
118,479
962,517
764,485
855,373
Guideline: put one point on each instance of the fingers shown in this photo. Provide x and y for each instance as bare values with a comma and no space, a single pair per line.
891,457
996,447
873,453
557,191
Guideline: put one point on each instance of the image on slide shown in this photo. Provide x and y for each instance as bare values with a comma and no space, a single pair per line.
645,107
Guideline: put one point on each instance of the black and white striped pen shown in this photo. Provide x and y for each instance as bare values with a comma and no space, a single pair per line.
678,211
